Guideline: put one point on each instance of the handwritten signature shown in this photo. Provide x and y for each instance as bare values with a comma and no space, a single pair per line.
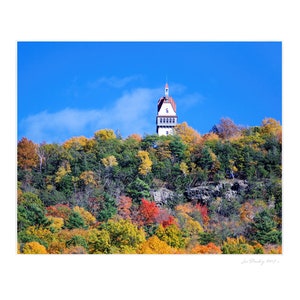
260,261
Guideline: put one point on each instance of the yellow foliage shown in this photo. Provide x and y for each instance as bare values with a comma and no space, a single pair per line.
34,248
155,246
146,163
189,135
49,187
66,234
105,134
184,208
271,126
57,223
184,168
20,196
109,161
211,137
190,226
98,241
77,142
42,233
89,219
88,177
237,245
62,171
171,235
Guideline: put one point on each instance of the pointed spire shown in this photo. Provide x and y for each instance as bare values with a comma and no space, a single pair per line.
166,90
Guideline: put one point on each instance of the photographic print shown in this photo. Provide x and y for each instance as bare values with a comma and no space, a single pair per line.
149,147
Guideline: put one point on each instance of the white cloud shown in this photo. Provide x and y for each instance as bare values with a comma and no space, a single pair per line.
188,101
134,112
113,81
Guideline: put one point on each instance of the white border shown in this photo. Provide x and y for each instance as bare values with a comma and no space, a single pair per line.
148,277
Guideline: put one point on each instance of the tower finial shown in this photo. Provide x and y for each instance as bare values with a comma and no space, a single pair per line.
166,90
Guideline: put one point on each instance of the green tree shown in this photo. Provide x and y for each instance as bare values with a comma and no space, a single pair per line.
75,220
77,240
31,212
138,189
264,229
108,208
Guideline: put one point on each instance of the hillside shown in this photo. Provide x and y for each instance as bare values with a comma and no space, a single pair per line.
187,193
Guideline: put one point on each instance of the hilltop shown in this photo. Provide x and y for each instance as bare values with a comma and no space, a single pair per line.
184,193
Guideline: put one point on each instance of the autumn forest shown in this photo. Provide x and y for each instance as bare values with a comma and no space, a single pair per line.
216,193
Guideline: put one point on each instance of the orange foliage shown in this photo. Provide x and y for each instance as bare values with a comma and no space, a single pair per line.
210,248
124,206
27,156
246,212
272,249
136,137
56,247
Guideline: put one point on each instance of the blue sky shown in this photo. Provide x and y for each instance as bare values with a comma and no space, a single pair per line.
68,89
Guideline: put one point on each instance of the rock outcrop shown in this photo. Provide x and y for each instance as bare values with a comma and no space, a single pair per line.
208,191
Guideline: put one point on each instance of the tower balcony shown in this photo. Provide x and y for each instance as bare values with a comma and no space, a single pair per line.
166,121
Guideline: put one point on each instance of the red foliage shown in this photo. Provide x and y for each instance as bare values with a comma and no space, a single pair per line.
204,212
58,211
148,212
170,221
164,218
124,206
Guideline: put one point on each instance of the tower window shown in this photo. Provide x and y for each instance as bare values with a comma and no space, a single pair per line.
167,110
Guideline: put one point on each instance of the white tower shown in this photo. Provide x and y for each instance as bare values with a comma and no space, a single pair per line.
166,118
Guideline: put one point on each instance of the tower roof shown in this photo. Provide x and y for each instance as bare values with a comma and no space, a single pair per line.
164,99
